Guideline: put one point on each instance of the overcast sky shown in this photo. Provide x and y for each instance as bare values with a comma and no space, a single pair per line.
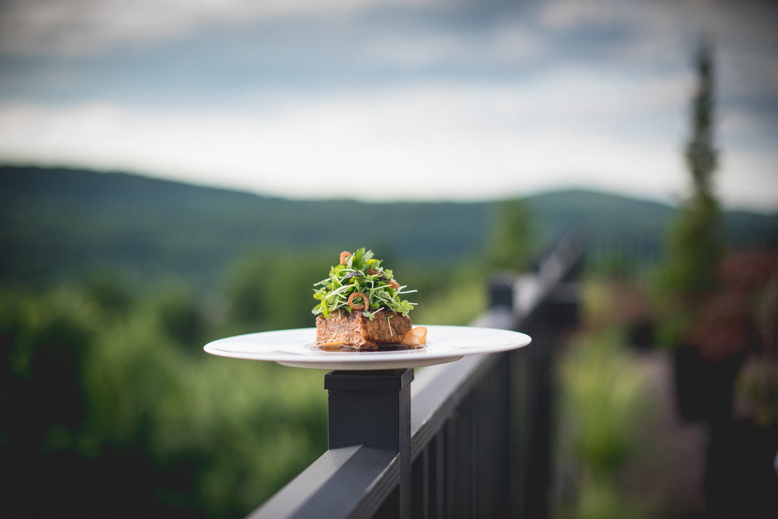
392,99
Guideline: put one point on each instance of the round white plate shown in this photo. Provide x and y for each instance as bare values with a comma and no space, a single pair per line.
296,348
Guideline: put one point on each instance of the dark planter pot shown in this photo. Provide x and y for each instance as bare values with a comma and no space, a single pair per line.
704,389
741,479
640,334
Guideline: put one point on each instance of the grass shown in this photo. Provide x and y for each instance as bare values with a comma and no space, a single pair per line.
606,456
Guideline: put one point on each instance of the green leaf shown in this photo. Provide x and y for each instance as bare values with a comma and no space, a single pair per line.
361,272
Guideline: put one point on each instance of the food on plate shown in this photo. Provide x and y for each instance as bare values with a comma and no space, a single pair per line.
415,337
361,308
354,330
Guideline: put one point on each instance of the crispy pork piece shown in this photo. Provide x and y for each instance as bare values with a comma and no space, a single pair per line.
354,330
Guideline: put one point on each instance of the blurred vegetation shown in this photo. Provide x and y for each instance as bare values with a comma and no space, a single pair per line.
696,239
110,284
59,225
512,241
608,457
106,412
108,402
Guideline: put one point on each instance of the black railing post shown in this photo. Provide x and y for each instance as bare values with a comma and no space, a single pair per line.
374,408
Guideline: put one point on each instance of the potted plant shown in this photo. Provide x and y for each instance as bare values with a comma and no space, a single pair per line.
722,332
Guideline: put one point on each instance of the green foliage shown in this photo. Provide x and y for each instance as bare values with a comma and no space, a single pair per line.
610,264
459,299
111,294
511,242
233,431
360,273
696,239
600,381
700,153
44,341
59,225
88,400
603,497
274,290
604,427
112,385
181,317
694,249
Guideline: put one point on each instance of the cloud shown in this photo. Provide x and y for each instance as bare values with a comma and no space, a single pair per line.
434,140
87,27
436,99
508,43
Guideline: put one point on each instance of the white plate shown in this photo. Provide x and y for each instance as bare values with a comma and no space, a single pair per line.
296,348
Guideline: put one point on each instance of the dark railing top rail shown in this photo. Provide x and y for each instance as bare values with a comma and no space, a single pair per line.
344,482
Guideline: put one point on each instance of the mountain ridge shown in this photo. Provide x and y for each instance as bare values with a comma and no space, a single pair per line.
59,223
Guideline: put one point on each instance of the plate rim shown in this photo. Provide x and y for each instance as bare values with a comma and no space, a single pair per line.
363,360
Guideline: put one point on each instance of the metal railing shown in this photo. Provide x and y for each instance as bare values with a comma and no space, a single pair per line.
467,439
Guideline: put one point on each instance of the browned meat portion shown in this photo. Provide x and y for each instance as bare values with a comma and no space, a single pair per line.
357,331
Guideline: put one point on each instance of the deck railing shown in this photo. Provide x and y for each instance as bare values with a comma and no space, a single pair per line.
467,439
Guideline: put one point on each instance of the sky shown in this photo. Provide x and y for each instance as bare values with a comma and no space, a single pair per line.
386,100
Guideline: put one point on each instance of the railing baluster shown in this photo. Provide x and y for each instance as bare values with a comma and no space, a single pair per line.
419,492
439,475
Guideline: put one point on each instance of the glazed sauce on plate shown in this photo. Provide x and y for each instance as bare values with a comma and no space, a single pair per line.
336,346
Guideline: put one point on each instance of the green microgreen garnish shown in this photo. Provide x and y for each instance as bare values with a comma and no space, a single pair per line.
362,273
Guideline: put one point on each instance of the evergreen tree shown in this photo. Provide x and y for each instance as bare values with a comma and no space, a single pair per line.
695,238
510,244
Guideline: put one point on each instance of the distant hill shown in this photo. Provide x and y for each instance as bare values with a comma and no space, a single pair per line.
60,223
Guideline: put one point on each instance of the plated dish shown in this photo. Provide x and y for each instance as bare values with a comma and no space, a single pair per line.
297,348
